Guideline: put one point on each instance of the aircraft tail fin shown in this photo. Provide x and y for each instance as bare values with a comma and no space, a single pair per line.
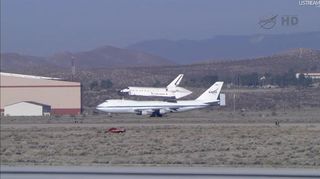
176,81
211,94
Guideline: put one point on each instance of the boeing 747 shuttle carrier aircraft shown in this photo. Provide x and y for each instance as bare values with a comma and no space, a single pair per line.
171,91
158,108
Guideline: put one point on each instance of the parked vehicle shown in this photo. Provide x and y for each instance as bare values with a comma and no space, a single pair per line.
116,130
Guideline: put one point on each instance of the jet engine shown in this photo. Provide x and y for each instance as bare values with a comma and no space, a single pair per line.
144,112
162,111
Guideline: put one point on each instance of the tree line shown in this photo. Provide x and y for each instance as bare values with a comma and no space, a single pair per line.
102,84
254,80
250,79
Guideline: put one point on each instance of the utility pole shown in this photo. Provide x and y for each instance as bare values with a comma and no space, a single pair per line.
237,82
73,68
234,102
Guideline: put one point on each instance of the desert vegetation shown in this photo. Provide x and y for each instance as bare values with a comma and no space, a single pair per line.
259,145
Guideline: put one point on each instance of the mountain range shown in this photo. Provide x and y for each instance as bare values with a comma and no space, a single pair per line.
106,57
227,47
168,53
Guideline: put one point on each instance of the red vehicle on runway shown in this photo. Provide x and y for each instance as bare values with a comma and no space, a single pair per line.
116,130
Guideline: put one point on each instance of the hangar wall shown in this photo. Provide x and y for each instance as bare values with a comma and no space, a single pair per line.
64,97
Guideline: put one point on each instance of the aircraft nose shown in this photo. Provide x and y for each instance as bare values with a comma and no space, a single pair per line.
99,106
125,90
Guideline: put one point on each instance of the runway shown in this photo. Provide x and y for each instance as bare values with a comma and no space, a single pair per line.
8,172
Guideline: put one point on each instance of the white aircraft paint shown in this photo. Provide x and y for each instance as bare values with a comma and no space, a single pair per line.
171,91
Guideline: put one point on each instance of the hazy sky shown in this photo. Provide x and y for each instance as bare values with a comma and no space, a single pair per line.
44,27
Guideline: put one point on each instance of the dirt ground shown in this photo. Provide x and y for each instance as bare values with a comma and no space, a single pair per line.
174,140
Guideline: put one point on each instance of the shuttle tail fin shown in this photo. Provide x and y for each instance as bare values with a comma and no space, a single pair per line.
176,81
211,94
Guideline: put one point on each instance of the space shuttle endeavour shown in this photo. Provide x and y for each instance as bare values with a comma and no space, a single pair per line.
171,91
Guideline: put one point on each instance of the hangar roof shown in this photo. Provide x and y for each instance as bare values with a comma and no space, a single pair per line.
31,102
19,80
28,76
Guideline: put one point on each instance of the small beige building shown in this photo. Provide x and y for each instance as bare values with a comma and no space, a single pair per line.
64,97
27,108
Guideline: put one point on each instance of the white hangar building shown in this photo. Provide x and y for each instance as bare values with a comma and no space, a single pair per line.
27,108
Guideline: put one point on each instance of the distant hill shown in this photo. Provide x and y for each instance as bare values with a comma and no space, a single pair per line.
103,57
227,47
17,63
297,60
108,57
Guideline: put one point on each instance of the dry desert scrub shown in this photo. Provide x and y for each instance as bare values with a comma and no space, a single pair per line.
291,145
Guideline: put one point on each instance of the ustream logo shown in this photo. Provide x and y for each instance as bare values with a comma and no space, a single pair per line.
315,3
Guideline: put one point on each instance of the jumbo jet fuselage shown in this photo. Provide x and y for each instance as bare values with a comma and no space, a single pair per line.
148,107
